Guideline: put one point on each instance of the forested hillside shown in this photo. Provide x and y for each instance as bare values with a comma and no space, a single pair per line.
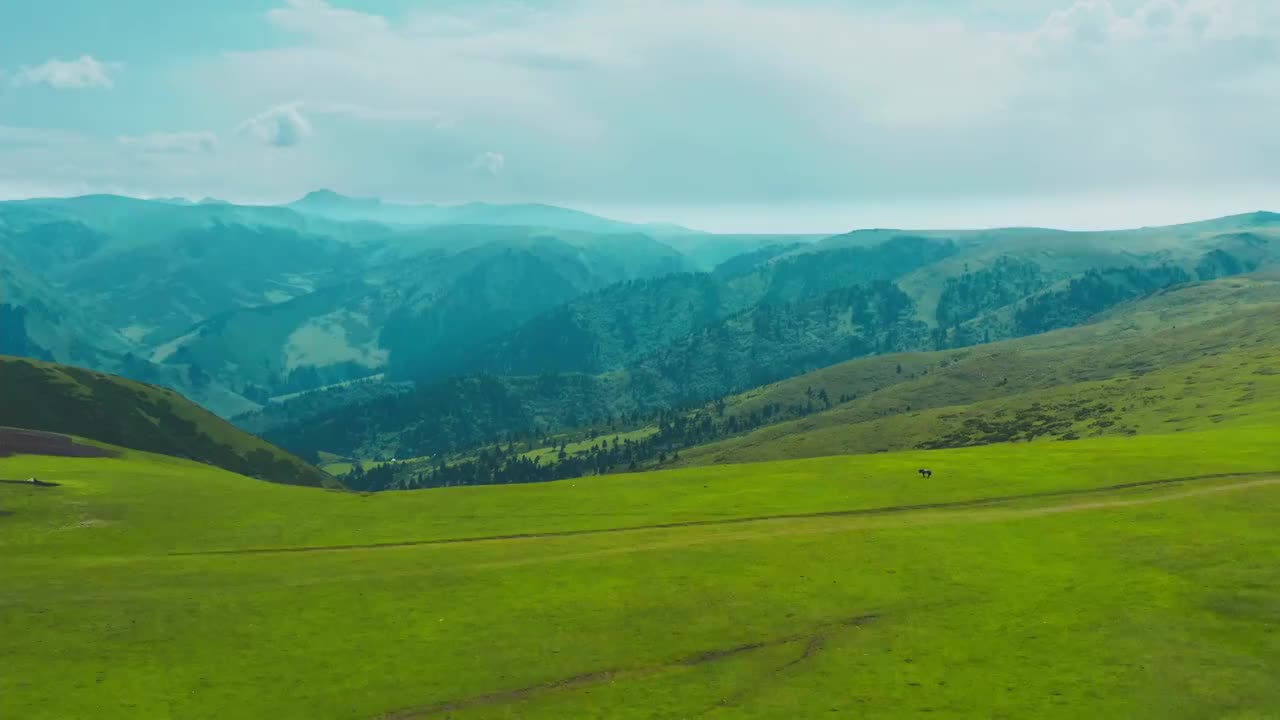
618,327
457,336
235,304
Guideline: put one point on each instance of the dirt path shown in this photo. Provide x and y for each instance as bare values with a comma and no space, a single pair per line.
890,510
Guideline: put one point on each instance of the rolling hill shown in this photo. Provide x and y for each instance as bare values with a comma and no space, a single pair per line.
621,353
1148,366
1153,366
73,401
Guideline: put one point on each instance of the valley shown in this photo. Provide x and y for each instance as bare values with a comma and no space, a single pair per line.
1155,365
590,360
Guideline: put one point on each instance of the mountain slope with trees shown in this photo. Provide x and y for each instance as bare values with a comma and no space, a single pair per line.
232,304
242,307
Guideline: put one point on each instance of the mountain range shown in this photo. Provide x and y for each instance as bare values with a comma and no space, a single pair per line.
335,206
367,328
667,342
236,304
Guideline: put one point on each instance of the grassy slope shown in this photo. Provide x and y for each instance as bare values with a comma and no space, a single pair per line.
58,398
1157,365
1154,601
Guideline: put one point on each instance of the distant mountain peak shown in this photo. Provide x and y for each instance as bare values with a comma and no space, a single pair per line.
325,196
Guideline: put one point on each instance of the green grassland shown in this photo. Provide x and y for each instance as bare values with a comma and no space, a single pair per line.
1017,582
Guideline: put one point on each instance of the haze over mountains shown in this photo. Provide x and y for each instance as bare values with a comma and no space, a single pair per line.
327,203
236,303
237,306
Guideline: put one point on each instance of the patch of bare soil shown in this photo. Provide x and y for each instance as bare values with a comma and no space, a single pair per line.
34,442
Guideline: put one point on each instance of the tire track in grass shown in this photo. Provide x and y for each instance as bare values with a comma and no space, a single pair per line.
813,639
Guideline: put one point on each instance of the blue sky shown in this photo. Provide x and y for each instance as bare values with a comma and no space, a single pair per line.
742,115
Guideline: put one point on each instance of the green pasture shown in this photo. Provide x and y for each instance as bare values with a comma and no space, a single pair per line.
128,591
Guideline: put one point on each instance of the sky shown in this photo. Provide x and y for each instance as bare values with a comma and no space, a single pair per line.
728,115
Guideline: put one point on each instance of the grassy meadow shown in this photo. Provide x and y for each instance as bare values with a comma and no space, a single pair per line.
1017,582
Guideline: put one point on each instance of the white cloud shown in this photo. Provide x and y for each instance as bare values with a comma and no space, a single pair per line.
289,124
281,126
1088,22
716,101
492,163
319,19
176,142
84,72
1183,23
749,102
